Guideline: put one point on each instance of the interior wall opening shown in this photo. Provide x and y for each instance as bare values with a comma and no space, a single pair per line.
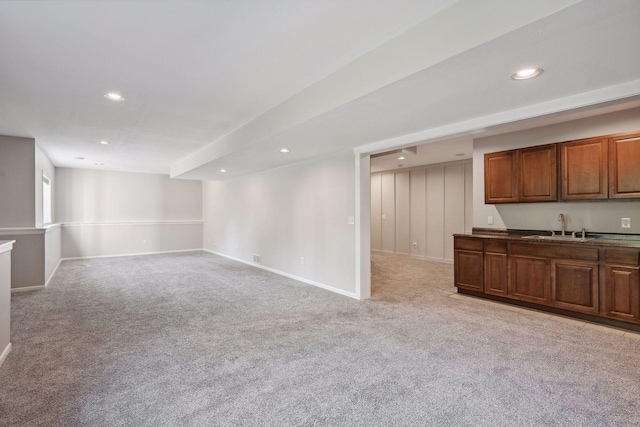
420,197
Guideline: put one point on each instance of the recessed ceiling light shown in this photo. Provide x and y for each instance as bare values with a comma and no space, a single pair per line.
114,96
223,170
285,150
401,158
78,158
103,142
99,164
527,73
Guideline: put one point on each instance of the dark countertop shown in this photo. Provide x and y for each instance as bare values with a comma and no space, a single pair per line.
593,239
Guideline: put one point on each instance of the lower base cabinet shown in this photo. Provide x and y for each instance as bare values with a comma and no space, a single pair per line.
530,279
495,273
469,273
574,286
590,279
622,293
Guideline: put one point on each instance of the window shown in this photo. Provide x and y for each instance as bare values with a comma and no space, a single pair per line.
46,200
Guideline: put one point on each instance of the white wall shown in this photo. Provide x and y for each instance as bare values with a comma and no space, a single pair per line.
114,213
85,195
287,213
17,183
424,205
597,216
43,165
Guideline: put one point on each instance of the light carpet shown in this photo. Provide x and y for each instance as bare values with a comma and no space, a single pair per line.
199,340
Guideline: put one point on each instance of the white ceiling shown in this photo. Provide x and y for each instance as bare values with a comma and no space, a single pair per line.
220,84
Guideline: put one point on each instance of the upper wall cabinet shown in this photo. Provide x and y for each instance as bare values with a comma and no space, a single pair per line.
584,169
500,183
538,174
604,167
624,159
525,175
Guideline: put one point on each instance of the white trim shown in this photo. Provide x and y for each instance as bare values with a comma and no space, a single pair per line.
93,224
18,231
290,276
53,273
27,289
592,98
6,245
5,353
363,226
131,254
21,231
51,227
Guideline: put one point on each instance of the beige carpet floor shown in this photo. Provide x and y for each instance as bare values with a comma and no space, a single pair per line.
193,339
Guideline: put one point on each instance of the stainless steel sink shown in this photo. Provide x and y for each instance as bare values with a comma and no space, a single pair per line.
558,238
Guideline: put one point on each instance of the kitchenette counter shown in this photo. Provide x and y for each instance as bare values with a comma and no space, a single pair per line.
597,279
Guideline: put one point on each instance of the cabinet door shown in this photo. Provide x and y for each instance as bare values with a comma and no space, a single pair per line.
538,174
624,174
584,169
500,184
530,279
495,274
622,293
574,286
468,270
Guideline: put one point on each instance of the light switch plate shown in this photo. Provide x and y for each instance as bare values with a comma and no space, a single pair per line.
351,220
490,220
625,222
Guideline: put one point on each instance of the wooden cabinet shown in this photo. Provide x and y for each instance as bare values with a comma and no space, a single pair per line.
538,174
530,279
525,175
574,285
595,280
584,169
468,262
603,167
624,173
500,180
495,267
622,293
622,284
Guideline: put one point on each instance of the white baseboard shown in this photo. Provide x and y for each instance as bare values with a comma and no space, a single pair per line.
5,353
52,273
290,276
27,289
132,254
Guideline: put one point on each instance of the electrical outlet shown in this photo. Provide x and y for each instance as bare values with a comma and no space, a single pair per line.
351,220
302,260
415,245
256,258
384,216
625,222
144,242
490,220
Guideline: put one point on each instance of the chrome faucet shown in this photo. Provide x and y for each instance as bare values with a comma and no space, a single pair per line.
561,218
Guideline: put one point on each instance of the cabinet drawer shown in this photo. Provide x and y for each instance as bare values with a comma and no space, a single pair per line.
468,243
555,251
622,256
496,246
